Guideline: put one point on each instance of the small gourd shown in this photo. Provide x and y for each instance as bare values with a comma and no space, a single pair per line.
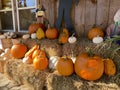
63,37
97,39
40,33
26,36
72,39
33,35
109,67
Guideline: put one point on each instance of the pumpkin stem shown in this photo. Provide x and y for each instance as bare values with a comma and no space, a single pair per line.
73,34
48,26
65,57
89,51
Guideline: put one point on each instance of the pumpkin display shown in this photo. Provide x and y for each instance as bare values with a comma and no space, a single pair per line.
110,68
18,50
89,67
63,37
51,33
97,39
72,39
65,66
40,33
34,27
40,62
94,32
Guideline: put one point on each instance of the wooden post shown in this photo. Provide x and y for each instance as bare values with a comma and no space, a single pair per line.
0,14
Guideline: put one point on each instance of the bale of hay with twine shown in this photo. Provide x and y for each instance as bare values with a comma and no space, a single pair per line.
107,49
25,74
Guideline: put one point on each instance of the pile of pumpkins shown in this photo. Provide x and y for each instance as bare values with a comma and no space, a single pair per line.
87,65
34,56
37,30
96,35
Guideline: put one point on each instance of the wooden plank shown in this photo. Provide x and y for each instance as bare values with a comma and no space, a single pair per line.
56,5
90,16
0,23
102,13
0,14
49,6
72,14
80,18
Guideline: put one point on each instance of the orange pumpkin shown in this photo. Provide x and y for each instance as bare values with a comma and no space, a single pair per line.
110,68
65,66
37,52
18,50
63,37
89,68
51,33
94,32
34,27
40,63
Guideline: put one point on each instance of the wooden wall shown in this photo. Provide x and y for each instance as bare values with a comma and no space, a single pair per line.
85,14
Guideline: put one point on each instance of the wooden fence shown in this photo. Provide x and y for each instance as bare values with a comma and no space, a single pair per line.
85,14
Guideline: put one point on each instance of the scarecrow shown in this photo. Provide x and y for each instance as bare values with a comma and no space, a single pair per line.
114,29
40,15
64,10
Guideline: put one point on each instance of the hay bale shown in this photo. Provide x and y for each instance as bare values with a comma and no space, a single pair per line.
52,47
57,82
70,49
25,74
30,42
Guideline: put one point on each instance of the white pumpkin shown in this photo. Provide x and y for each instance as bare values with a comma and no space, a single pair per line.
97,39
26,36
25,59
33,36
7,50
73,59
53,61
72,39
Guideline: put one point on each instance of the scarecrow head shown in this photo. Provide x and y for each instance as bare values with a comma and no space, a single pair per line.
40,11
